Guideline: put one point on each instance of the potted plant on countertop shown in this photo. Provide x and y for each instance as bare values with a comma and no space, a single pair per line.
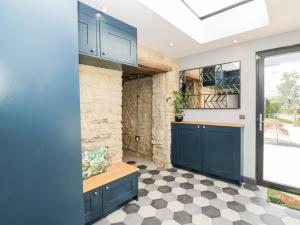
179,105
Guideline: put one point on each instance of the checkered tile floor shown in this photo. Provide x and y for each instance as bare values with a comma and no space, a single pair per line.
174,196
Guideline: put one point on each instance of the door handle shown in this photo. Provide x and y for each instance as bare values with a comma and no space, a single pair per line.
260,122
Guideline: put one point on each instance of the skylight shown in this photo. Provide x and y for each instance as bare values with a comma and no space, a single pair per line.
205,8
184,14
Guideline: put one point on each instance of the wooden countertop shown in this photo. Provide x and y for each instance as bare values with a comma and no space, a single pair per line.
211,123
113,172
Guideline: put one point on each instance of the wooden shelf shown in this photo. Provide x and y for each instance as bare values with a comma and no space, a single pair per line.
211,123
113,173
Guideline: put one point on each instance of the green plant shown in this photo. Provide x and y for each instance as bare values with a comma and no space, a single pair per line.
178,102
285,121
273,106
289,92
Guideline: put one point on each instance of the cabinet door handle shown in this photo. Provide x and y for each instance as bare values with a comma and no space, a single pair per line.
204,126
103,53
198,126
107,188
93,50
95,193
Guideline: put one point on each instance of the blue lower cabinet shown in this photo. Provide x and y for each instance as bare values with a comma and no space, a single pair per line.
221,151
118,192
93,204
104,200
214,150
186,146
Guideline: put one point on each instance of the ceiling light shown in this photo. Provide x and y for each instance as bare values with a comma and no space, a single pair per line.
235,41
254,15
98,15
104,9
172,44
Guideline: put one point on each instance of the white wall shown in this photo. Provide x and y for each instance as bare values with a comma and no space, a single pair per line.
245,52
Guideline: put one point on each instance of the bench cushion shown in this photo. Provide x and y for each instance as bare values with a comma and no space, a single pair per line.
94,162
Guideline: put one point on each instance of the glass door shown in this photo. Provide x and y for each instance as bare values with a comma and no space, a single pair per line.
278,118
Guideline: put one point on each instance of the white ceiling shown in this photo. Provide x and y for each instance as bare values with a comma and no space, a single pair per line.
157,33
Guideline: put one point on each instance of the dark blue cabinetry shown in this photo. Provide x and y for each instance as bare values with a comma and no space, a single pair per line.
221,151
93,204
119,191
87,29
117,44
186,146
103,200
105,37
213,150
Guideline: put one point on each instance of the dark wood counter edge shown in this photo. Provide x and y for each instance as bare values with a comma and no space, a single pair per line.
211,123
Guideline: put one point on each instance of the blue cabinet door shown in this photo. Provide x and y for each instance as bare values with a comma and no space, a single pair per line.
186,146
119,191
87,29
117,43
92,204
221,151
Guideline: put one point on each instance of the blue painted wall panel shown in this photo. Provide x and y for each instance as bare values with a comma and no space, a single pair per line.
40,163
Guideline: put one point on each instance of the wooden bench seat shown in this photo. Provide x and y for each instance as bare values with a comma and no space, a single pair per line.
112,173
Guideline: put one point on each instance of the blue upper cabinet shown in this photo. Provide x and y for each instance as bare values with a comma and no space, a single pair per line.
118,42
105,37
87,28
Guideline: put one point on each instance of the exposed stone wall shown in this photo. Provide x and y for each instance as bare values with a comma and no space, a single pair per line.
129,118
162,111
101,111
